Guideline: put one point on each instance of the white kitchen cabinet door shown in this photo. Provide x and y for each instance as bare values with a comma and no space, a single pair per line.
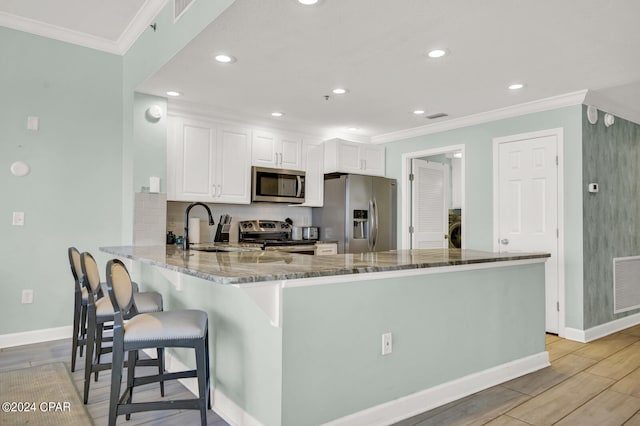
373,157
193,152
263,149
232,166
208,162
314,175
348,158
351,157
290,152
274,150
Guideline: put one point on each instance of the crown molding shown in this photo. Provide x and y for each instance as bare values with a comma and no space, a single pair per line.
138,24
569,99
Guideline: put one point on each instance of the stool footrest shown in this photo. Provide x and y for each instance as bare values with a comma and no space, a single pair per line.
181,404
145,380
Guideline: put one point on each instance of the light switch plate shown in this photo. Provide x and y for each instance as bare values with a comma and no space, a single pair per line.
18,219
33,123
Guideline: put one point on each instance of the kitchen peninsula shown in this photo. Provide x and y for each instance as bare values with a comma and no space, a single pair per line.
297,339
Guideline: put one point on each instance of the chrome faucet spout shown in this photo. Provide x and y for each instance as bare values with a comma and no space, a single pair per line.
185,241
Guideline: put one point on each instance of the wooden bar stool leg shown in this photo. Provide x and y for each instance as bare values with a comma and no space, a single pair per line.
160,352
91,334
76,329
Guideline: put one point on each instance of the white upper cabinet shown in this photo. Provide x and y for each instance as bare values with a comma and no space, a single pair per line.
351,157
276,150
233,170
208,162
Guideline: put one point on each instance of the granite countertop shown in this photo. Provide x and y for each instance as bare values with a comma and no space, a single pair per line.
247,266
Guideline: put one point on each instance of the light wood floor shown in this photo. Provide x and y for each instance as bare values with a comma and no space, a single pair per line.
98,406
597,383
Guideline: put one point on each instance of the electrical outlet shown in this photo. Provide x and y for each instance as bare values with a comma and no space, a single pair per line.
27,296
387,343
18,219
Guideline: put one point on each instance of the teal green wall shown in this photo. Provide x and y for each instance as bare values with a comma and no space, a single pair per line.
611,158
444,326
93,151
72,195
151,141
478,214
246,351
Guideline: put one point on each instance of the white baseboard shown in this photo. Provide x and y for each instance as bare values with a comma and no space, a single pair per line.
230,412
601,330
35,336
419,402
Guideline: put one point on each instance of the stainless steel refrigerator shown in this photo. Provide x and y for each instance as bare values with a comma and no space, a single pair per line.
359,212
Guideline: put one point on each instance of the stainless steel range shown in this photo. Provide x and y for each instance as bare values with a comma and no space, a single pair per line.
274,235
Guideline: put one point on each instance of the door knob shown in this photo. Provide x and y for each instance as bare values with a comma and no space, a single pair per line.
504,241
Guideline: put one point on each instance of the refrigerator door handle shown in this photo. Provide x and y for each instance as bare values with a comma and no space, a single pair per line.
370,220
375,225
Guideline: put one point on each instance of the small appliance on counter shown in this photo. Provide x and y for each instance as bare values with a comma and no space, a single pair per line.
224,226
310,233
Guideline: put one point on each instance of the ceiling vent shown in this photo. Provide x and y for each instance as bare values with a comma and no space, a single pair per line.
437,115
179,6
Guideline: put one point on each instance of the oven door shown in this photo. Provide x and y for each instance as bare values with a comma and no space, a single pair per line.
277,185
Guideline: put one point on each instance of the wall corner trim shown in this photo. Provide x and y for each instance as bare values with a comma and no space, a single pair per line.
419,402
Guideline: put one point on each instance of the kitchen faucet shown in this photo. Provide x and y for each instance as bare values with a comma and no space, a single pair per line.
185,241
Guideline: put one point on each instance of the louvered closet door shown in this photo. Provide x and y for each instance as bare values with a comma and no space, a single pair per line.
429,204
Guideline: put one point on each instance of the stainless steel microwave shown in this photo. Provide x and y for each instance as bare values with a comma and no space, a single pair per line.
277,185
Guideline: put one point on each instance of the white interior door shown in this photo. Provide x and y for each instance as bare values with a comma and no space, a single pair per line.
429,204
528,207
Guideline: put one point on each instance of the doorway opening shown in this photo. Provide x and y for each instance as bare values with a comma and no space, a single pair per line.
432,198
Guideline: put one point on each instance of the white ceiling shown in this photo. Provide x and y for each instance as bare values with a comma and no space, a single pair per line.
289,56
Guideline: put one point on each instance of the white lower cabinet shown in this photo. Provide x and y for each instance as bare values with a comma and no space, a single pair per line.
208,162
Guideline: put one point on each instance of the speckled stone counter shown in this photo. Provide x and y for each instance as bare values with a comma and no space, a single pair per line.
238,267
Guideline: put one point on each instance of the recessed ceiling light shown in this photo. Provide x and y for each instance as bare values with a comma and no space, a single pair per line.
437,53
224,58
339,91
353,129
277,114
173,93
418,112
516,86
308,2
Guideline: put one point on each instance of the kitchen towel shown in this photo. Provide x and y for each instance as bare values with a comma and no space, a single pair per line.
194,230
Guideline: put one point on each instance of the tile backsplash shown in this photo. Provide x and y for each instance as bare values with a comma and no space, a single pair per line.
301,216
150,215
